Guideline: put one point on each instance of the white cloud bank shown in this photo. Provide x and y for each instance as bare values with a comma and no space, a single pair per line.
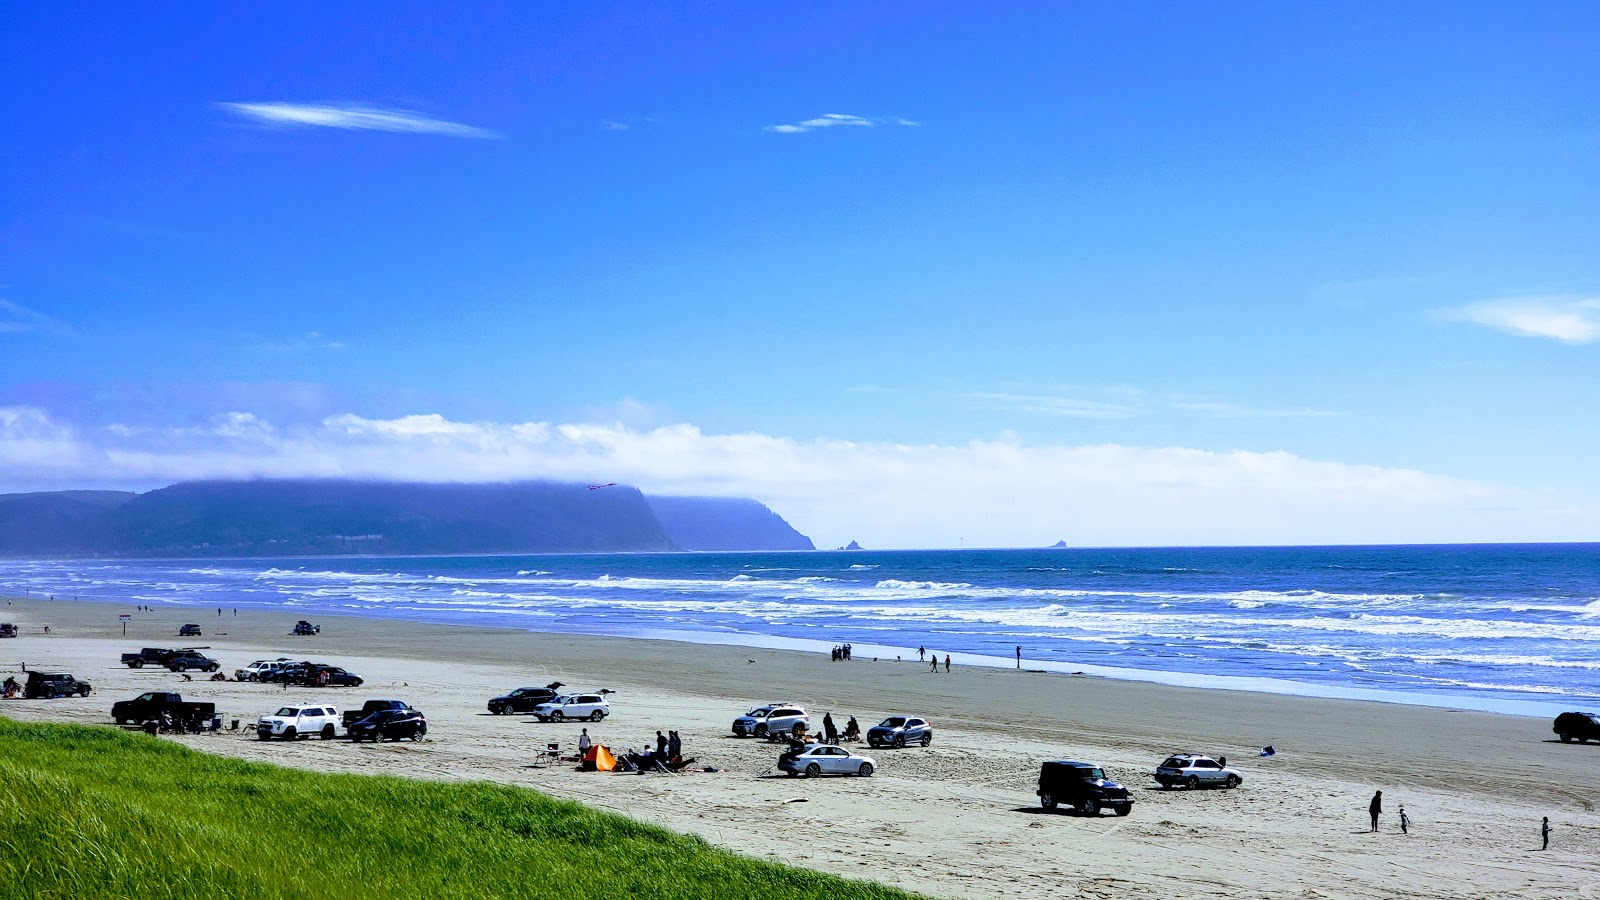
355,118
984,493
1573,320
835,120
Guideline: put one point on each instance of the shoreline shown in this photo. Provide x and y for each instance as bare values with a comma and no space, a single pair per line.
957,819
1199,681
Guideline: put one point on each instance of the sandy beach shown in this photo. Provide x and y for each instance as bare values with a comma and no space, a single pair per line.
957,819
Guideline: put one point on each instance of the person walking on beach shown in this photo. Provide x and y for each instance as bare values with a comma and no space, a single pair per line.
1544,832
947,662
935,663
1376,809
921,653
1405,821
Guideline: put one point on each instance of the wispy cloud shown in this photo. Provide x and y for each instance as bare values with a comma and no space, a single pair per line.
1055,405
985,492
1574,320
354,118
311,340
1125,402
16,318
835,120
612,125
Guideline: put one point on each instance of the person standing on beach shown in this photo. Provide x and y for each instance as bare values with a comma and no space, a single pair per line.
1405,821
1376,809
1544,832
947,662
584,743
922,652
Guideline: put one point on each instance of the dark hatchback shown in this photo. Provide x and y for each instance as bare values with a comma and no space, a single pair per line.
1082,786
521,700
390,725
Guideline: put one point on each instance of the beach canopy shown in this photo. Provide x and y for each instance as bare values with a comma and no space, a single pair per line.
599,759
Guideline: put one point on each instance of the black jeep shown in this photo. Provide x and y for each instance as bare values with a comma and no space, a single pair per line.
1082,786
1577,726
45,685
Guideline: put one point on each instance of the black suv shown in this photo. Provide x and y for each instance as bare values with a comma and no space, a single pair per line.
1577,726
185,660
45,685
521,700
190,630
1083,786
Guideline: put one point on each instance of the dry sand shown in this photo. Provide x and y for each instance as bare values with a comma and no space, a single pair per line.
958,819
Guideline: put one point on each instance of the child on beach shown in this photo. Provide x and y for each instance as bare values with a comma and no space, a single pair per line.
1405,821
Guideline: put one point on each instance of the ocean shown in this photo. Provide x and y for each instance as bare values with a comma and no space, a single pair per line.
1507,628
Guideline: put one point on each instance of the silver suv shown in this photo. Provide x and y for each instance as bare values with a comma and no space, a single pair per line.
772,719
1192,771
573,706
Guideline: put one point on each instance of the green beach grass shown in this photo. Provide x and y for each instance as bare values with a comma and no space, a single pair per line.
94,812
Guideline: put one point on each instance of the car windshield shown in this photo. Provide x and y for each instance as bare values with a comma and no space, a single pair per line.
1092,774
288,711
892,722
759,712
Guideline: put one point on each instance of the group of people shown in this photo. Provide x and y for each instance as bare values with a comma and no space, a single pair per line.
841,653
830,732
12,687
922,653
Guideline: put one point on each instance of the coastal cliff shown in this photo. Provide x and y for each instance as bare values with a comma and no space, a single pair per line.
332,517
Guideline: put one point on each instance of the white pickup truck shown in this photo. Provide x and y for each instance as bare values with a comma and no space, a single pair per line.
293,722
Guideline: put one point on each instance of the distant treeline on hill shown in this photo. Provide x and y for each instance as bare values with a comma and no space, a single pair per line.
321,517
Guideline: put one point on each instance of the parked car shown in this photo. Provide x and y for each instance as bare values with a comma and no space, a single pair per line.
149,656
47,685
575,706
898,731
1195,771
827,759
293,722
372,706
185,660
332,676
390,724
190,630
521,700
7,630
261,670
1082,786
772,718
1577,726
151,705
303,627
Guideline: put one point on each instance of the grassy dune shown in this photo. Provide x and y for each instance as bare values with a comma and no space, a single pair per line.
93,812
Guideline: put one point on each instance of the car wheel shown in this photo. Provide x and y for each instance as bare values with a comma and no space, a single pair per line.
1124,809
290,734
761,731
557,716
1091,807
137,664
264,735
418,734
813,770
357,683
327,732
180,668
927,739
865,771
1233,781
1193,782
597,715
1048,802
899,741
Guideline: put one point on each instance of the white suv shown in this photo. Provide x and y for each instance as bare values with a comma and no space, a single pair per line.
574,706
261,670
772,719
293,722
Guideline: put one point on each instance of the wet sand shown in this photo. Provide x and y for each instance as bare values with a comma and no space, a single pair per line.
957,819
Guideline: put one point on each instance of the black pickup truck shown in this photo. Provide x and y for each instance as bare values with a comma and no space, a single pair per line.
370,707
152,704
149,656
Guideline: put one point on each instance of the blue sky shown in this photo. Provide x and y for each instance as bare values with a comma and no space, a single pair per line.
1162,245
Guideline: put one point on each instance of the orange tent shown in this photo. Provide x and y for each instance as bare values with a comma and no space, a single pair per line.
599,759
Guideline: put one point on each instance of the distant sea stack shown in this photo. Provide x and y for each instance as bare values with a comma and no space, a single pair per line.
851,546
306,517
1058,545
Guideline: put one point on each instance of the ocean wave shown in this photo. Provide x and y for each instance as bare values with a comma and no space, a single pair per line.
898,585
523,573
859,566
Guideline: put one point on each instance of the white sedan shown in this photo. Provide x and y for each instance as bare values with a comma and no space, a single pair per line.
826,759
